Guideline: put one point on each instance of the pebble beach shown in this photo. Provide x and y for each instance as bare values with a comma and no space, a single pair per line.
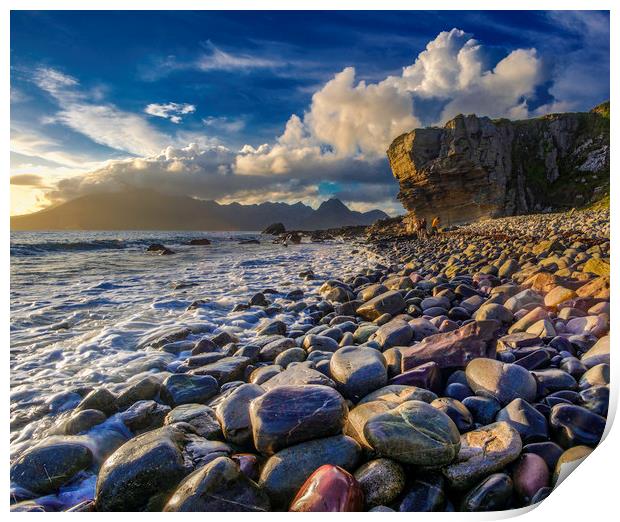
468,371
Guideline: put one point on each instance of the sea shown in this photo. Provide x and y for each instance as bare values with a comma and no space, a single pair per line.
84,307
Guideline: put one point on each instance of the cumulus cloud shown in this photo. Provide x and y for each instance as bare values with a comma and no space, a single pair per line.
170,111
342,136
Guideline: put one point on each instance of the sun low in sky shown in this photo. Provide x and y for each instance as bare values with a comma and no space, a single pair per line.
273,106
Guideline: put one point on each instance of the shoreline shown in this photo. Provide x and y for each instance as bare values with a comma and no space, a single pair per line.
525,298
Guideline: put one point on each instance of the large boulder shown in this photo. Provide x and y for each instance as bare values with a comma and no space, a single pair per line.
387,303
288,415
453,349
501,381
46,467
218,486
142,473
358,371
414,433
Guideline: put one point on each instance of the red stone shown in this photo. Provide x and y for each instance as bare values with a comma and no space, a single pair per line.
329,488
453,349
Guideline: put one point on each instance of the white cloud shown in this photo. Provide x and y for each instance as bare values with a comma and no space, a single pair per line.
224,124
342,136
171,111
103,123
218,59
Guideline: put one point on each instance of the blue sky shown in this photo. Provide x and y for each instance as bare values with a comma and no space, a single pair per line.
254,106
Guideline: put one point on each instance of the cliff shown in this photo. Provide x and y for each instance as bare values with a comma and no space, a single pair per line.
475,167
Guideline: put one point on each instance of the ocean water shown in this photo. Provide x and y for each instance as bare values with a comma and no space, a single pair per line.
85,305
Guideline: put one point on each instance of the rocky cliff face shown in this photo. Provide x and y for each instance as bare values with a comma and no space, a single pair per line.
474,167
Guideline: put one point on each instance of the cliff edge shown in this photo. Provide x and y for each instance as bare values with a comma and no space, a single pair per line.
475,167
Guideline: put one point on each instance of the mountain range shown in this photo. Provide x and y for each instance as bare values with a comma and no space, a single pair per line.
137,209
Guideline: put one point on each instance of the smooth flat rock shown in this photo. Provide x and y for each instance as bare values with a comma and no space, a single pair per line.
358,371
288,415
387,303
298,375
501,381
414,433
452,349
181,388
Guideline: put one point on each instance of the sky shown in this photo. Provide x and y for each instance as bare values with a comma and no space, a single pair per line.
273,106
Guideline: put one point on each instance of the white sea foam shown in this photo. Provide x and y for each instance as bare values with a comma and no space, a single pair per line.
86,305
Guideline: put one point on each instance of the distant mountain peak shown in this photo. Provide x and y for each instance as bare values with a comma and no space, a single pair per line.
333,204
151,210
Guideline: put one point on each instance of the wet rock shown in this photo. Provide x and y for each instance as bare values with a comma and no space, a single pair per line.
321,343
272,328
426,376
501,381
144,416
426,494
298,375
530,423
455,409
483,451
483,409
288,415
389,302
291,355
598,354
264,373
394,333
414,433
218,486
381,480
225,370
530,474
574,426
187,389
595,399
100,399
249,464
494,312
286,471
142,473
596,376
51,464
549,451
81,421
360,415
329,489
452,349
492,494
233,414
358,371
200,417
553,380
145,389
270,351
199,241
398,393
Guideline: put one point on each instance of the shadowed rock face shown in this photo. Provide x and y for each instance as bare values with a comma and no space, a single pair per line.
475,168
